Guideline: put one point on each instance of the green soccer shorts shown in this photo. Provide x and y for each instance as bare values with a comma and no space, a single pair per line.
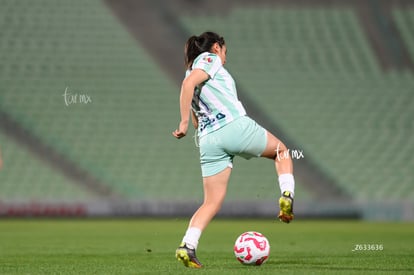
241,137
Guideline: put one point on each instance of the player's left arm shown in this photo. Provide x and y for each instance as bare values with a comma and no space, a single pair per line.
194,119
196,77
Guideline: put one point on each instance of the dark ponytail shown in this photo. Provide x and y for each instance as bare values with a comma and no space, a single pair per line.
198,44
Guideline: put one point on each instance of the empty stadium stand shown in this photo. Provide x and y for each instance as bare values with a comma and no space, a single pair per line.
27,179
404,19
80,84
77,81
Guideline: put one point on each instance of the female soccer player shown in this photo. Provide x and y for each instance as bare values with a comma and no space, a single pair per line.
208,94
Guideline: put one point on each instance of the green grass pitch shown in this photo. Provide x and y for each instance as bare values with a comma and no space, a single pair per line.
147,246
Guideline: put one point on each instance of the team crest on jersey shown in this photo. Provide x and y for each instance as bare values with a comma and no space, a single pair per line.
208,59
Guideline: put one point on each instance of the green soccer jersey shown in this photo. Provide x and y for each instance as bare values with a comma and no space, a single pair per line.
215,101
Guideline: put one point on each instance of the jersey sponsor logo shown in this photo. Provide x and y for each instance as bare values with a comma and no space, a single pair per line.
206,121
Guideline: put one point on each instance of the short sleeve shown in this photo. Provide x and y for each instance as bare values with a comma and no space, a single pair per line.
208,62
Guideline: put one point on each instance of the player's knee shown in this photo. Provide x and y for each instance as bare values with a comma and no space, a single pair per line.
281,152
280,147
214,206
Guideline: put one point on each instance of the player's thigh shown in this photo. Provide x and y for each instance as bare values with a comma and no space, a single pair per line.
215,186
273,146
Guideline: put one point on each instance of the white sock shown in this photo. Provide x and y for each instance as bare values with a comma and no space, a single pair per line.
191,237
287,183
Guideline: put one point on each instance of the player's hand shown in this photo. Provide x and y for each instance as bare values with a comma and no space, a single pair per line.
182,130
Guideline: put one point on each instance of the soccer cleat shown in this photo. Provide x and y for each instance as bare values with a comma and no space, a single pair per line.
187,256
286,207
